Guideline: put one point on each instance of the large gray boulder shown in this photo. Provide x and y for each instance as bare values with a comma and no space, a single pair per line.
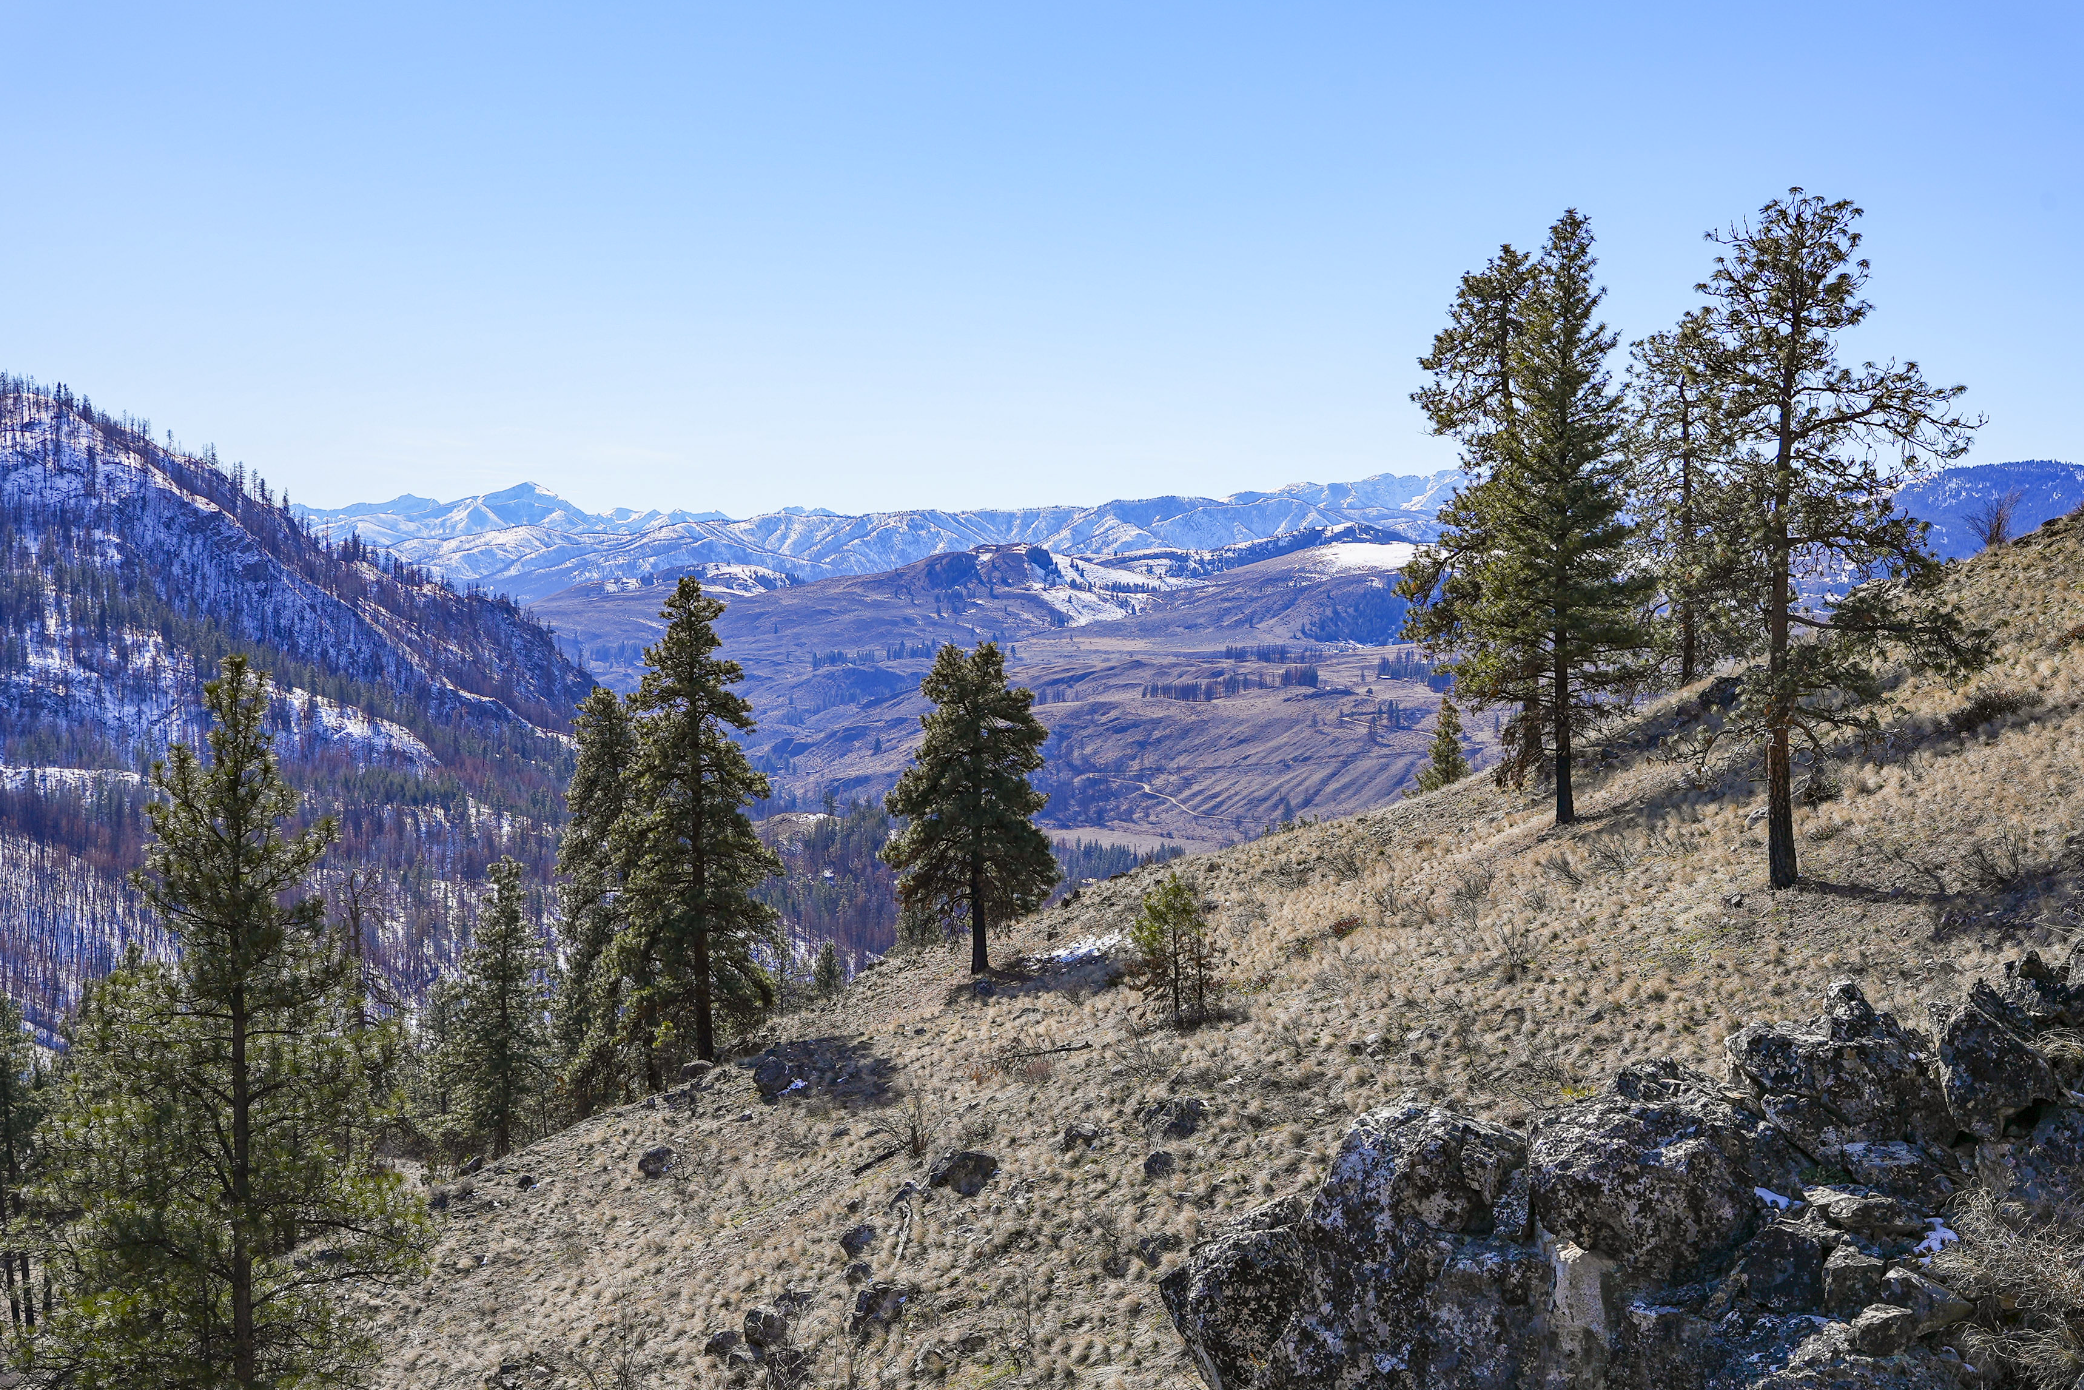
1851,1075
1232,1300
1990,1071
1657,1173
2042,1170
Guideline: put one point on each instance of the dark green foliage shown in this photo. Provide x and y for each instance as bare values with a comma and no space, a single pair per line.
216,1115
499,1053
1679,450
1448,764
590,862
1175,959
1530,587
25,1096
1817,451
969,847
828,977
693,937
1085,861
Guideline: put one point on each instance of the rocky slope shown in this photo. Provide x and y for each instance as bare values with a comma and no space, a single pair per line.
429,720
1452,953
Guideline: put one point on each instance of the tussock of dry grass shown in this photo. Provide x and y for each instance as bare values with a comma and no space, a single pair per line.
1500,966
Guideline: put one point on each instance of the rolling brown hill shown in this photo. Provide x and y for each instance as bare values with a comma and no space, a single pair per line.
833,668
1454,947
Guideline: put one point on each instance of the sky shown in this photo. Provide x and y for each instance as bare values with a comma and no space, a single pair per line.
737,257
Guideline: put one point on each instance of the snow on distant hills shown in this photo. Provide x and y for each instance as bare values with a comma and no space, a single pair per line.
530,543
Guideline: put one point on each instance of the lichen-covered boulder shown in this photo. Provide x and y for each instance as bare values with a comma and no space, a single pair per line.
1415,1163
2040,994
1825,1357
1658,1172
1850,1075
1921,1175
1233,1297
1990,1071
1935,1304
1875,1215
965,1171
1782,1267
2042,1170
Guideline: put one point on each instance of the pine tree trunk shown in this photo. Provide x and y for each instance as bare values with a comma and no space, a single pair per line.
1781,869
1566,806
245,1354
980,961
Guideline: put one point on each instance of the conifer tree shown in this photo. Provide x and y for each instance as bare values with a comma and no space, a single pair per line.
970,847
1449,765
829,976
24,1097
1818,451
589,861
1175,959
1530,588
499,1047
1679,449
695,933
214,1114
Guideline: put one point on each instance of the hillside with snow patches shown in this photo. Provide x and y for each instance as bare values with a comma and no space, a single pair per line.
429,722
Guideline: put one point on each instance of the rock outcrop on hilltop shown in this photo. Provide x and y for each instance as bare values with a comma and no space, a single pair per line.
1670,1233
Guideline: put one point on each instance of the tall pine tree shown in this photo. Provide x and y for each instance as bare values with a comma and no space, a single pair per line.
1819,449
1449,765
695,933
500,1044
214,1115
1529,588
24,1097
590,863
970,848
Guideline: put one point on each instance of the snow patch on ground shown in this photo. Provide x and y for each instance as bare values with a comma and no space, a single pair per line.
1361,557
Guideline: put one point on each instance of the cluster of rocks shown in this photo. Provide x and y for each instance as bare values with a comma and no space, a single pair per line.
764,1345
829,1066
1670,1233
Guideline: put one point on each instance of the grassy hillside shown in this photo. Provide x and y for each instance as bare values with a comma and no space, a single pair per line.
1452,947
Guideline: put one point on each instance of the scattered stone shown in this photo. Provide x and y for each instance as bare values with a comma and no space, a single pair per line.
1935,1304
1782,1268
1882,1330
720,1343
772,1076
525,1181
1851,1281
1159,1165
1152,1249
878,1307
766,1326
858,1271
1081,1137
966,1171
470,1166
695,1071
1872,1214
1231,1301
1172,1119
654,1162
857,1240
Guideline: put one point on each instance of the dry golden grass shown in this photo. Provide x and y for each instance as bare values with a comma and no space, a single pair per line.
1500,966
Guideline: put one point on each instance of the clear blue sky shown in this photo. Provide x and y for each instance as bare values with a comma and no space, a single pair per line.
878,255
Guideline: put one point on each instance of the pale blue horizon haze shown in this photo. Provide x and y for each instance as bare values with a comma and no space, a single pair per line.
854,257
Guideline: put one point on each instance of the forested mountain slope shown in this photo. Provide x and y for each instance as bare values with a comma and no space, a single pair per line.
1452,948
429,721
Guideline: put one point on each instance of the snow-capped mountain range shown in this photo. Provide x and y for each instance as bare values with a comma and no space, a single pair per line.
529,543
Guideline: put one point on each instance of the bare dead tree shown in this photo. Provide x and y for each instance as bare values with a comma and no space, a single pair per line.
1991,523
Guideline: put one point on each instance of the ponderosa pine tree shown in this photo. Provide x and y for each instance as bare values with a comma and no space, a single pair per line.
501,1054
1679,449
1529,589
1449,764
1819,449
970,847
828,976
590,863
1175,959
24,1097
214,1114
694,932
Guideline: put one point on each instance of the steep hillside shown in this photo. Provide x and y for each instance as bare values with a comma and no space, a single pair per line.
430,721
1454,947
1196,695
